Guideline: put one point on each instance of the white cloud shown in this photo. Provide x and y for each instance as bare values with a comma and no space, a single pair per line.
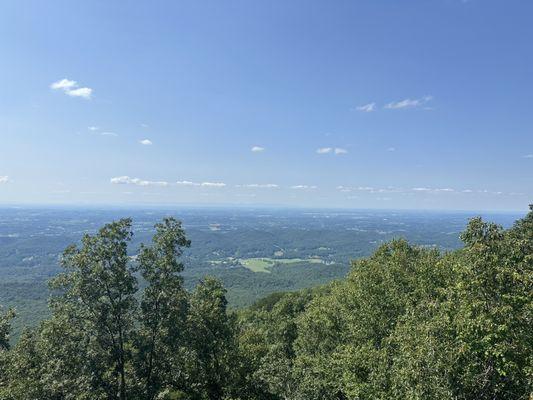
108,134
304,187
187,183
432,190
359,188
408,103
370,189
145,142
144,125
71,88
339,150
84,92
330,150
213,184
4,179
93,128
64,84
257,149
445,190
202,184
121,180
126,180
259,186
344,188
391,149
528,156
367,107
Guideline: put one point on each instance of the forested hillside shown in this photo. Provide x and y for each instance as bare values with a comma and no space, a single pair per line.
253,251
408,322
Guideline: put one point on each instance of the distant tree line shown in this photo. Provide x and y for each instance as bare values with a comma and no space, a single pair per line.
406,323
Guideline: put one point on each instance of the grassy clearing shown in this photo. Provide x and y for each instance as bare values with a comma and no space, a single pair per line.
263,264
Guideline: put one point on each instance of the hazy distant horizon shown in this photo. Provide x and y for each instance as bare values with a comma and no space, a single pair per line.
274,207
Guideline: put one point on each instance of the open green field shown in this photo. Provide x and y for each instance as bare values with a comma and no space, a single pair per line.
263,264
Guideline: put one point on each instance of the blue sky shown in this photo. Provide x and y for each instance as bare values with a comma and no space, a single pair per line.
362,104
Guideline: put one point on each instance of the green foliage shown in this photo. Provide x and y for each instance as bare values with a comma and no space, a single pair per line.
212,338
107,340
32,241
97,291
407,323
163,329
5,328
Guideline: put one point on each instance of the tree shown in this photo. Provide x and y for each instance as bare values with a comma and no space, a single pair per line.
97,293
493,303
268,332
342,343
5,328
163,308
212,338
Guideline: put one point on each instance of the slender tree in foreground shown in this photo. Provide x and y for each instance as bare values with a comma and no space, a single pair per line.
163,318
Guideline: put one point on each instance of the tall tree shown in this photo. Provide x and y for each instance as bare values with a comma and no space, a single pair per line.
493,300
163,308
97,290
212,338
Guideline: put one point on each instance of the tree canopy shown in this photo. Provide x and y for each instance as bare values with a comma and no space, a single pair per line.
407,322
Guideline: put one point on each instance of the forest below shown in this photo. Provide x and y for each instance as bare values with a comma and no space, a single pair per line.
408,322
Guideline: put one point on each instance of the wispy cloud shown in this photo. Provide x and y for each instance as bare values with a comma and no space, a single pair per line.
201,184
367,107
344,188
304,187
408,103
71,88
528,156
145,142
331,150
339,150
432,190
126,180
368,189
257,149
96,131
187,183
4,179
391,149
449,190
213,184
